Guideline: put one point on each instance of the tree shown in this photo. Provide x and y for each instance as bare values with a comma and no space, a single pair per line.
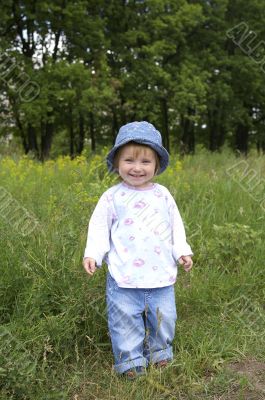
78,70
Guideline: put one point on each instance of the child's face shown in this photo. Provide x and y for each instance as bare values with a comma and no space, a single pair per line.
137,165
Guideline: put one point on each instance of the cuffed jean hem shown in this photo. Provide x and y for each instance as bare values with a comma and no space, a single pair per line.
160,355
139,362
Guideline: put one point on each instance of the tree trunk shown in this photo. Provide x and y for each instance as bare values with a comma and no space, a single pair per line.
71,133
15,111
22,134
165,130
261,147
92,132
187,144
32,140
241,139
221,136
260,144
216,129
46,138
81,136
212,135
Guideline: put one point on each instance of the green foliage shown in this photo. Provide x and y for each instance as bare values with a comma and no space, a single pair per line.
96,65
230,245
18,367
54,341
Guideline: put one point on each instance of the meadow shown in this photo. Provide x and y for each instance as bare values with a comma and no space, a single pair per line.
54,341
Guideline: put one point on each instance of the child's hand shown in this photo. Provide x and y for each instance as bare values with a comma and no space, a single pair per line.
89,265
187,262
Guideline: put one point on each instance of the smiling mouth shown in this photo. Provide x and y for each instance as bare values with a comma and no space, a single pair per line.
136,176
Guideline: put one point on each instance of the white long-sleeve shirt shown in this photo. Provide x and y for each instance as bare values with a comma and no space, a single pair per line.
140,235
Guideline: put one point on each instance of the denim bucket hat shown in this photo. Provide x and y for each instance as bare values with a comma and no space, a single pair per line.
140,132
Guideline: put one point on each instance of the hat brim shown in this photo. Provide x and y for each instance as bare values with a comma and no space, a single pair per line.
160,150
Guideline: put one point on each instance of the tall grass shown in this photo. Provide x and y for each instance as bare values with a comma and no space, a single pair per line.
54,338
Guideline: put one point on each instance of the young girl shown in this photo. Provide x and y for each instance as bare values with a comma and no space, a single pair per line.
137,230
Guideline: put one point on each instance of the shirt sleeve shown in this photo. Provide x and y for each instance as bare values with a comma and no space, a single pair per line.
180,245
98,236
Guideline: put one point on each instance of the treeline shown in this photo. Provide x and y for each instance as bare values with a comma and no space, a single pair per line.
72,72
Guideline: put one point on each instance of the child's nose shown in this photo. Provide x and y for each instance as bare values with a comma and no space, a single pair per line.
137,166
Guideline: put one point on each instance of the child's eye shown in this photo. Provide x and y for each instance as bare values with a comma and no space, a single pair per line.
128,160
146,161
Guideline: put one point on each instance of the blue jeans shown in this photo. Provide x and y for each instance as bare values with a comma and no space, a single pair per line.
141,324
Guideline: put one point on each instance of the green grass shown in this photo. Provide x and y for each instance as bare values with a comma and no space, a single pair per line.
54,339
